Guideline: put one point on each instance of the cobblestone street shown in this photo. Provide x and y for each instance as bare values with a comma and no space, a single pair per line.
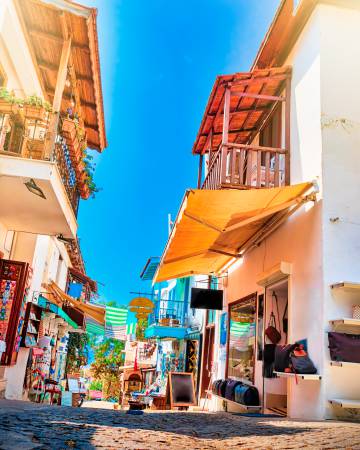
27,426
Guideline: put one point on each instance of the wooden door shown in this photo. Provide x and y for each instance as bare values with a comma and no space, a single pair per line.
208,359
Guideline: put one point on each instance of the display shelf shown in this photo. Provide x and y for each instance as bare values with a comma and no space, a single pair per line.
346,322
346,325
246,407
347,286
344,364
302,376
345,403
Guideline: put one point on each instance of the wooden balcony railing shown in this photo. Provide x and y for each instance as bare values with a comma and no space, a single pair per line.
29,139
246,166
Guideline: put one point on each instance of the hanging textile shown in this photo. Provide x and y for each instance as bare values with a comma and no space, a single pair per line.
115,322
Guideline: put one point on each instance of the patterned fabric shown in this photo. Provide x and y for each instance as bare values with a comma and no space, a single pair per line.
94,328
115,322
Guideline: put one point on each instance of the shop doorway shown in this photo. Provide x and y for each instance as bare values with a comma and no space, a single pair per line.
208,359
275,390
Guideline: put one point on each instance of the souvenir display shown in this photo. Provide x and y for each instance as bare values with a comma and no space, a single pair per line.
14,280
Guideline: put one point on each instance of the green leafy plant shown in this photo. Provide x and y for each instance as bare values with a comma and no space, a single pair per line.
32,100
89,170
77,355
106,366
7,96
96,385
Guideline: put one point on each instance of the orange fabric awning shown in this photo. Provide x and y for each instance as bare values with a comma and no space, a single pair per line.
94,312
215,226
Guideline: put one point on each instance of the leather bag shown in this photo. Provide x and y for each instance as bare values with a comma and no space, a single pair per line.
344,347
247,395
282,357
271,332
230,389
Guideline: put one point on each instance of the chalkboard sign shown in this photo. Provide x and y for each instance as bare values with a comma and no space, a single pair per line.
180,389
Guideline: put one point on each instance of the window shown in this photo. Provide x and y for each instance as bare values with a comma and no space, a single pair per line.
241,339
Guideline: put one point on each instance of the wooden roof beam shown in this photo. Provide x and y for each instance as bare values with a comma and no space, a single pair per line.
260,80
241,111
53,68
36,32
273,98
235,131
67,96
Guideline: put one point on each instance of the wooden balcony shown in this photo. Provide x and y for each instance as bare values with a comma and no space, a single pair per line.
244,136
240,166
28,138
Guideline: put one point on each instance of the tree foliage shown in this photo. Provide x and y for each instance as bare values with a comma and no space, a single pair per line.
77,355
105,368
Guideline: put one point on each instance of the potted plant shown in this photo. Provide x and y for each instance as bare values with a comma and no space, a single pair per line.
7,102
36,108
69,129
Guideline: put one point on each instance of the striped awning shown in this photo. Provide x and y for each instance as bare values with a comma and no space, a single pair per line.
115,322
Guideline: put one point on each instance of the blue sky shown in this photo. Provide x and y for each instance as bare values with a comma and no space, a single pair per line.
159,60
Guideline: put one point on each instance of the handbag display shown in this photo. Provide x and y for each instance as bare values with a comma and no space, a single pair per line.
247,395
282,357
300,362
271,332
344,347
230,389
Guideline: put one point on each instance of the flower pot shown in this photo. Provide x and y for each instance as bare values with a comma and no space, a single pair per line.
35,112
75,149
84,192
8,108
69,129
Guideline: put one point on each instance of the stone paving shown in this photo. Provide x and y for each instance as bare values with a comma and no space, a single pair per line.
28,426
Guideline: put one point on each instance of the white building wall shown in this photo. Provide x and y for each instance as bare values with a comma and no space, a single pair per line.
321,241
299,240
340,107
14,54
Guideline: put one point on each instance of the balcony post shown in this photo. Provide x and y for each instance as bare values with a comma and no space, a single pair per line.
200,171
226,120
59,90
225,135
287,129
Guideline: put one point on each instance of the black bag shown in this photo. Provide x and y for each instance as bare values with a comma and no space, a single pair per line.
247,395
214,386
344,347
217,387
302,364
230,389
282,357
222,388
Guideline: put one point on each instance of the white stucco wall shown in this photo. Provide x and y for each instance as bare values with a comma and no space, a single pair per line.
340,107
325,142
6,238
299,240
14,53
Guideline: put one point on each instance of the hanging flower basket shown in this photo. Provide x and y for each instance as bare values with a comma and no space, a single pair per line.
69,129
84,191
35,112
83,185
75,149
